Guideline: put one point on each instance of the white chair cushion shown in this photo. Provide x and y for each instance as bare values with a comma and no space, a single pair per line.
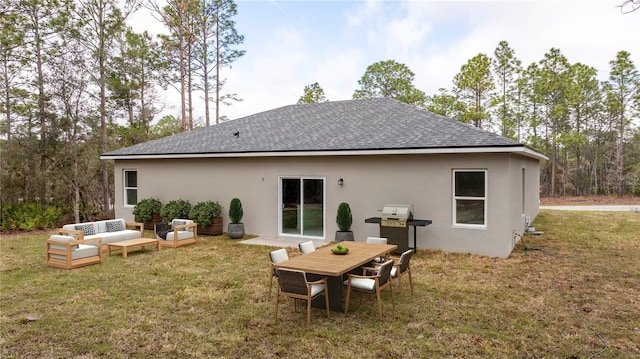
84,251
362,284
376,240
316,288
181,235
394,272
60,238
279,255
307,247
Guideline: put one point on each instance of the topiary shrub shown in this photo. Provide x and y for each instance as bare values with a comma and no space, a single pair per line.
344,218
203,212
177,208
146,208
235,211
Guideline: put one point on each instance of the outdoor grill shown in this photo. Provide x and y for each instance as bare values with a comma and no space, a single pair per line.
394,224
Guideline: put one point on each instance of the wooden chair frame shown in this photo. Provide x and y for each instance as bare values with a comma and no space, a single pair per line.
299,295
385,278
403,267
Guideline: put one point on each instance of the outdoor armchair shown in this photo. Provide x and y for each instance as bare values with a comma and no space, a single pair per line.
294,284
373,283
67,252
177,233
277,256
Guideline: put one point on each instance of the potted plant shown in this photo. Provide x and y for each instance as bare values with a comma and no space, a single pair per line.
344,221
177,208
236,227
207,215
147,211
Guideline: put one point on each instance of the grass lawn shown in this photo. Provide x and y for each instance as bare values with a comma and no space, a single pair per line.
574,294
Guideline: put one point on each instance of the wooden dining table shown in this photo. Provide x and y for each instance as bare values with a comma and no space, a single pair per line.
324,262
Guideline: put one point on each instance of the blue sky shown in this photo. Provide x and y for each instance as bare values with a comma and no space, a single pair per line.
291,44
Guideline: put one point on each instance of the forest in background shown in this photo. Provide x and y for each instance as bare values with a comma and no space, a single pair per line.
77,81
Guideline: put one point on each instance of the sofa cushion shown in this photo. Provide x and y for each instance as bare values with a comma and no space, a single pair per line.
110,237
87,228
115,225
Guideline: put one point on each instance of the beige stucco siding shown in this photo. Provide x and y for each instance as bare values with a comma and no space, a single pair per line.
369,182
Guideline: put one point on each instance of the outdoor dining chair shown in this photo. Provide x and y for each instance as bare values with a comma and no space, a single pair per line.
403,268
307,247
374,283
277,256
294,284
378,240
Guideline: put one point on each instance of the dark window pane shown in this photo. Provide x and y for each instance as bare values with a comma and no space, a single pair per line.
132,197
131,179
313,207
469,184
469,212
291,205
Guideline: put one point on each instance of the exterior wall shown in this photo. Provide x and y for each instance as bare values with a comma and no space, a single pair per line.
369,182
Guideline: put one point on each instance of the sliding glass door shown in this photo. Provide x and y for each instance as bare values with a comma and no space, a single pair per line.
302,206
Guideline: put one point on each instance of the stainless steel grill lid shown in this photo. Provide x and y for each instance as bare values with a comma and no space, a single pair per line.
398,211
396,215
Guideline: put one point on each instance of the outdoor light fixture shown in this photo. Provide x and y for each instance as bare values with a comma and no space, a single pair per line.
340,182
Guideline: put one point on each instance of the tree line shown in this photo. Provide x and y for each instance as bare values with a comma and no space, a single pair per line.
72,68
587,128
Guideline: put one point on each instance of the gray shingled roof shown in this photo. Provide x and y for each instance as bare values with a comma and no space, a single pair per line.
354,125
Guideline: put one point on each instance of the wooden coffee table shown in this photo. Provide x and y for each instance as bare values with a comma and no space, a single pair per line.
130,243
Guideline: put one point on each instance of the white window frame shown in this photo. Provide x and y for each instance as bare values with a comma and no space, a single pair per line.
126,188
456,198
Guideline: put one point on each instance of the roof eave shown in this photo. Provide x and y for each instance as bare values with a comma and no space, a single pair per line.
517,149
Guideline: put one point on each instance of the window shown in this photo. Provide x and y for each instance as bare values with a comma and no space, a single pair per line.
302,209
130,188
469,198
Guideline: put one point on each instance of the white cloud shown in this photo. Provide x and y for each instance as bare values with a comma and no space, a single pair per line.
433,38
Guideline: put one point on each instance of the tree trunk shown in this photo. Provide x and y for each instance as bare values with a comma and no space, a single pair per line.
205,71
218,64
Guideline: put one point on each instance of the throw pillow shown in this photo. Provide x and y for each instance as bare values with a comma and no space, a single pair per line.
179,223
115,226
86,228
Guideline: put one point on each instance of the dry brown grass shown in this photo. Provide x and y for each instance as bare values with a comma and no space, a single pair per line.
573,294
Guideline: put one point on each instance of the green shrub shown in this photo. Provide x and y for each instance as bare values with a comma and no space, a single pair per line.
235,211
30,216
203,212
146,208
177,208
344,218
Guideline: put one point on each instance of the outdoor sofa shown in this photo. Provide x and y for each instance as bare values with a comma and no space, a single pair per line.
111,230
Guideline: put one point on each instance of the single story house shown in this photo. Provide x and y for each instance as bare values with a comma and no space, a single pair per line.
292,166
